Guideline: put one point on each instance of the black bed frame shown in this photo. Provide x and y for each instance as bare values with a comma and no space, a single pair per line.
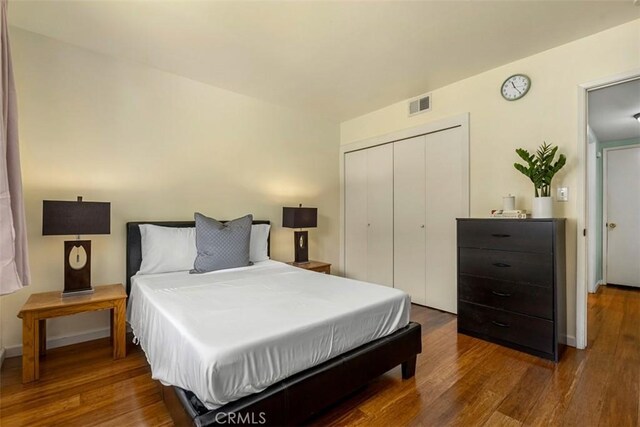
297,398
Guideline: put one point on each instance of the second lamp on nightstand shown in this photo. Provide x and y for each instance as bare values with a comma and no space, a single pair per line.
300,218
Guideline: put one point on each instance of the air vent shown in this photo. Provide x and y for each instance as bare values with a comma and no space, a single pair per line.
420,105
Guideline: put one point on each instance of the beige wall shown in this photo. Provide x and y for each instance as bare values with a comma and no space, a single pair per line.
158,147
549,112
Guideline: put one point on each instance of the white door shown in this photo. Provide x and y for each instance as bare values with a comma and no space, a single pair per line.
447,198
409,218
355,198
380,214
368,181
623,216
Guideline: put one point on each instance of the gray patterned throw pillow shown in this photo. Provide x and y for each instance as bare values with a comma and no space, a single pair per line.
221,245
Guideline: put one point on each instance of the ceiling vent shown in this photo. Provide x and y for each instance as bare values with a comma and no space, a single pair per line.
420,105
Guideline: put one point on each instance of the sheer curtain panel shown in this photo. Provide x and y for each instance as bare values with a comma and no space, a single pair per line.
14,262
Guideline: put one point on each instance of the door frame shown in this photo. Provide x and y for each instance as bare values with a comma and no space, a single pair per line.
605,216
460,120
586,190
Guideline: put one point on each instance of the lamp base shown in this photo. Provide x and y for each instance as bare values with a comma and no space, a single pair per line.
66,294
77,267
301,241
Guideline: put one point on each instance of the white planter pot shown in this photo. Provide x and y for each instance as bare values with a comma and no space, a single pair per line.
542,207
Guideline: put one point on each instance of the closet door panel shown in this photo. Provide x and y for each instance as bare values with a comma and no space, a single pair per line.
355,196
447,196
380,214
409,195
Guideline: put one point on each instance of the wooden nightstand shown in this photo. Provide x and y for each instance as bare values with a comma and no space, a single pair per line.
45,305
320,267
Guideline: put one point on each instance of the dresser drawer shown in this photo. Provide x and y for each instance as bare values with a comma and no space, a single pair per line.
520,267
516,235
503,325
532,300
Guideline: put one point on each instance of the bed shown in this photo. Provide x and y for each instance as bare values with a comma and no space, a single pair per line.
259,343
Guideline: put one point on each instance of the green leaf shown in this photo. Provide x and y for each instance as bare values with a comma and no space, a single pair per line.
540,168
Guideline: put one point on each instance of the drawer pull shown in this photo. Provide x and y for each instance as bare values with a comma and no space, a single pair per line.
501,264
501,235
500,294
502,325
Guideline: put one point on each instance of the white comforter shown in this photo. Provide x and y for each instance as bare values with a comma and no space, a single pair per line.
227,334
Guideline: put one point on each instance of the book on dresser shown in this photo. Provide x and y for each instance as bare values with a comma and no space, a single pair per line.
512,283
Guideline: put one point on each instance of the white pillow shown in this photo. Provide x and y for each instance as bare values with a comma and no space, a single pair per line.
258,243
166,249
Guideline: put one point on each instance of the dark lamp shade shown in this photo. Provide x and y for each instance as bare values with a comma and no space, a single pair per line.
74,218
300,217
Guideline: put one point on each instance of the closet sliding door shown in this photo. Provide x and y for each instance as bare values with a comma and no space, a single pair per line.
447,198
380,215
409,205
355,214
430,191
368,178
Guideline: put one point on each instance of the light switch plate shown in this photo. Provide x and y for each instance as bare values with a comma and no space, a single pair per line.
563,194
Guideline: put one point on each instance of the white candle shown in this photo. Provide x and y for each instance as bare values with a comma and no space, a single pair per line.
509,203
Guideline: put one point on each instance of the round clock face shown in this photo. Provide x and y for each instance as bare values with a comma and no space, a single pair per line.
515,87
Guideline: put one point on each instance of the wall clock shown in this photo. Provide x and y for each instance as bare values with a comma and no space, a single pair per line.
515,87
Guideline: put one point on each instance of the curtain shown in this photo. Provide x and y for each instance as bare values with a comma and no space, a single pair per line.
14,262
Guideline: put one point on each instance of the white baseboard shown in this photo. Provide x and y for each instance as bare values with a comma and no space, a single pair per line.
570,340
600,283
62,341
597,285
1,356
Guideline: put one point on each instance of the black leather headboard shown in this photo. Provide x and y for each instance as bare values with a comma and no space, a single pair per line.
134,244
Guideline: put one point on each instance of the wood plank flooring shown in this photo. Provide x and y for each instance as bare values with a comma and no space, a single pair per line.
459,381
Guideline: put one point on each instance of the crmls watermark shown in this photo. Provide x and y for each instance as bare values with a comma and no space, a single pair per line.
248,418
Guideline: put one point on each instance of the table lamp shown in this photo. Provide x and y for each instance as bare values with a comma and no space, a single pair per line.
300,218
61,218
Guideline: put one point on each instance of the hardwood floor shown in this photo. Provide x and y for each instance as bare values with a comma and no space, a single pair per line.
459,381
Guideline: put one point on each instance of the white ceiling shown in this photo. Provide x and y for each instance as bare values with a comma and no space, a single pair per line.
339,59
611,111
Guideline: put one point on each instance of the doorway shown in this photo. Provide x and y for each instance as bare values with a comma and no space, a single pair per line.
608,121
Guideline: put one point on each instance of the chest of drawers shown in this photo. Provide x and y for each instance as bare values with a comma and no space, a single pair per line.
511,283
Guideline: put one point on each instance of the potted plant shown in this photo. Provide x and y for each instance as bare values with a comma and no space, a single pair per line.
540,169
